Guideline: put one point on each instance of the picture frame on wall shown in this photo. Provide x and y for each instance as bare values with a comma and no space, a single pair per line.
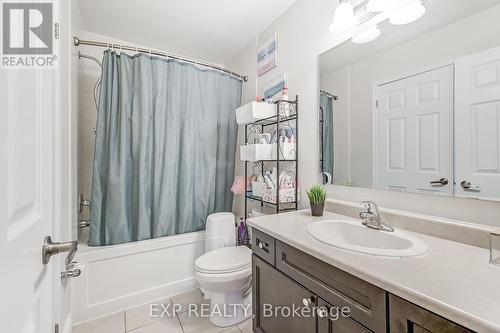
267,55
274,87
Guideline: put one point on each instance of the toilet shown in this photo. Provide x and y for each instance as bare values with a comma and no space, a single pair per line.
224,272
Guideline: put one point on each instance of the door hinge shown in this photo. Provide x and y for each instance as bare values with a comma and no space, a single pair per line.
56,328
56,30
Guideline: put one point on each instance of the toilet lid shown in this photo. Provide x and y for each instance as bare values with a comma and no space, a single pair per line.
225,260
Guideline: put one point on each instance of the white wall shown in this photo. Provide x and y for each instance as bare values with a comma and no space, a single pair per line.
436,48
303,35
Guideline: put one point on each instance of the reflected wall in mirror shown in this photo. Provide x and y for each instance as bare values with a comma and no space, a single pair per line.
418,109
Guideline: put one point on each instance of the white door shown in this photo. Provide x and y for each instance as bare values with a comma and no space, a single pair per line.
477,125
414,134
29,165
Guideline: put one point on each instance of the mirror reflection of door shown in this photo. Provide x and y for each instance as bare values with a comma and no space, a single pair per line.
327,154
414,133
419,107
477,125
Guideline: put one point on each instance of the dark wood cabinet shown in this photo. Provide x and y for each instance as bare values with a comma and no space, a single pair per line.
366,302
284,276
331,320
274,297
406,317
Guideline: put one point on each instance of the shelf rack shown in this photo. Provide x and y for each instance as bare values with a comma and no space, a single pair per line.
277,121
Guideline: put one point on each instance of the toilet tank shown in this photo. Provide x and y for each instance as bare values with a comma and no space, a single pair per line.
220,231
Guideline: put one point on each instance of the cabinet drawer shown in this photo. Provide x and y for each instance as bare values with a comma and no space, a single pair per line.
334,322
406,317
263,245
367,303
272,290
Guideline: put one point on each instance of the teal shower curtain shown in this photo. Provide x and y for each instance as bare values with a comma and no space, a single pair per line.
326,105
165,148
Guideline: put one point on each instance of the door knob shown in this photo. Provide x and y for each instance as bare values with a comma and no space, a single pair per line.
51,248
441,182
468,186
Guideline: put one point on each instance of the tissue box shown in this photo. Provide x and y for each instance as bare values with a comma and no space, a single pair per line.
287,151
254,111
256,152
258,188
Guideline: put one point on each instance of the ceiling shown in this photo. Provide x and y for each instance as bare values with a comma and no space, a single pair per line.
439,13
210,30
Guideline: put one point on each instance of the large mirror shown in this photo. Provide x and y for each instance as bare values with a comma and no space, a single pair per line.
417,109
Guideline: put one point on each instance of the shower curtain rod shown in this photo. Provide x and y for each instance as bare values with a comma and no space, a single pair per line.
326,93
77,41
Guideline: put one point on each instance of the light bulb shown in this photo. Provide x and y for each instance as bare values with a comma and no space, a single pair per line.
366,35
343,18
407,14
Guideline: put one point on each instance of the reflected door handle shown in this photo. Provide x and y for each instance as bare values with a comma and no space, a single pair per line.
468,186
441,182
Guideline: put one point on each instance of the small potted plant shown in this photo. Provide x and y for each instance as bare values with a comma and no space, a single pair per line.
317,196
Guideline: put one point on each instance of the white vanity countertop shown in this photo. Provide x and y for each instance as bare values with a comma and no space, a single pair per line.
453,280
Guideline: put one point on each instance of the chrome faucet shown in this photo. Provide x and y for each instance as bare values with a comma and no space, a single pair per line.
371,217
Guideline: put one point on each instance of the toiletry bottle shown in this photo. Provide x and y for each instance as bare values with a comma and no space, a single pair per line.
242,233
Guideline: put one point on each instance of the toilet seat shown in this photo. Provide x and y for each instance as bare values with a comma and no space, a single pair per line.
225,260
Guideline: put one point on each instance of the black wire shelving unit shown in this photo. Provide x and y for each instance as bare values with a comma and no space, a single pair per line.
278,120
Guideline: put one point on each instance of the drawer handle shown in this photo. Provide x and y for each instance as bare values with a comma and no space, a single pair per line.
322,312
263,246
307,301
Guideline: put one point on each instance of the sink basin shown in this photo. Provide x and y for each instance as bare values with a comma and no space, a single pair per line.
353,236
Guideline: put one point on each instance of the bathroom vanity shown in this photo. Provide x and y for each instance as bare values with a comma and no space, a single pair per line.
291,268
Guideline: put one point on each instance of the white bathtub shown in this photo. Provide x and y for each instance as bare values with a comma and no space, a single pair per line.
121,276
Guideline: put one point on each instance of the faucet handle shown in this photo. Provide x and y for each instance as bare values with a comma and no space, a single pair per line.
370,206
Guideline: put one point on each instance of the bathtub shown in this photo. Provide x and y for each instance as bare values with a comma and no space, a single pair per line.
125,275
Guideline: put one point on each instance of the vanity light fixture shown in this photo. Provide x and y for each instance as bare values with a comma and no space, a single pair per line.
399,12
344,18
366,35
407,13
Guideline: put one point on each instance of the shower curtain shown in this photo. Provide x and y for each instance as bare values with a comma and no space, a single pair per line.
326,104
165,148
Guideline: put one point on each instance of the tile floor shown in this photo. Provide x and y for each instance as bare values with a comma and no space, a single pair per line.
138,320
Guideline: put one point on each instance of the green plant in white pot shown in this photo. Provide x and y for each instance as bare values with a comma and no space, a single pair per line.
317,197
